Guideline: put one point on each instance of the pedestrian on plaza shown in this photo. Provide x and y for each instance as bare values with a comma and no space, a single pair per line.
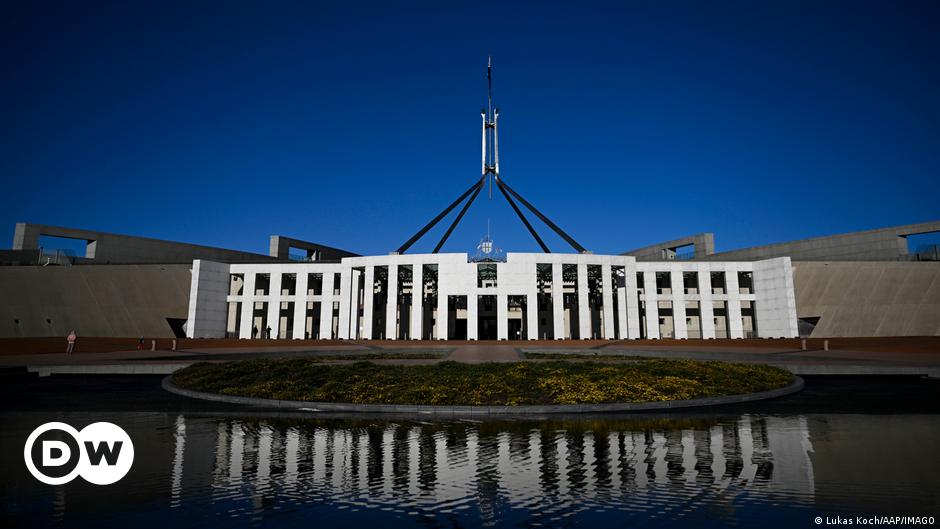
140,343
267,332
71,340
254,332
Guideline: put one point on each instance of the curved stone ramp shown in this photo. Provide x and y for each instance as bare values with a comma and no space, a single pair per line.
794,387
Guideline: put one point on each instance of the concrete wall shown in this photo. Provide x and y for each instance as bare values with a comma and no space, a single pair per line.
883,244
114,300
280,248
704,245
106,248
776,302
869,298
207,293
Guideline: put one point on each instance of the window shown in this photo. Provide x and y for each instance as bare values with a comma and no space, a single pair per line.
543,277
663,283
262,284
288,284
315,285
718,283
486,275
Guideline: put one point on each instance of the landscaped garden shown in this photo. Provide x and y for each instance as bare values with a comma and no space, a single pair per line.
504,384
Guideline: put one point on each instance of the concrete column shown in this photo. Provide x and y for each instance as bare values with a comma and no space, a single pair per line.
392,303
347,305
417,300
735,327
532,314
300,306
441,312
608,295
326,307
248,306
584,315
502,315
706,309
678,305
274,304
472,306
774,298
652,305
558,302
367,299
208,294
357,287
622,325
632,307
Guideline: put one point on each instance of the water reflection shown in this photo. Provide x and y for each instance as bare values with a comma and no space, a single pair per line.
551,472
203,471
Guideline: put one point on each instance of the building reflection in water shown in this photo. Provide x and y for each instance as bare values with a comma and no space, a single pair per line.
553,469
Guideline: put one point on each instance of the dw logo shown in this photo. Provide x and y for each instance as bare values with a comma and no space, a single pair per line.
55,453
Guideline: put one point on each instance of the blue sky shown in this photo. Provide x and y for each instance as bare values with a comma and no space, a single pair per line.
353,123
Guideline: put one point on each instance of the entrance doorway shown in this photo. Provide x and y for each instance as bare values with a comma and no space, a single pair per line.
517,315
486,317
456,317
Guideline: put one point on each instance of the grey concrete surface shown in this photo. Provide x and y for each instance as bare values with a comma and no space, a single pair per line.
136,368
94,300
859,370
869,298
704,245
280,248
103,248
882,244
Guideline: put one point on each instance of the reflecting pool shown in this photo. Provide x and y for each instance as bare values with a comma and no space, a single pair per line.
219,469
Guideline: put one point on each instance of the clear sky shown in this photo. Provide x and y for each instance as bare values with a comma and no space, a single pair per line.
353,123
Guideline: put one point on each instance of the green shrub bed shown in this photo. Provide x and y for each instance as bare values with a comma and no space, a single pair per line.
452,383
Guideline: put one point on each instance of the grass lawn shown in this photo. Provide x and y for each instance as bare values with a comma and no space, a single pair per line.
453,383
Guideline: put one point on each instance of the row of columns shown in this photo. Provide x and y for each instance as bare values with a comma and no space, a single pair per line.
300,300
629,326
705,298
627,314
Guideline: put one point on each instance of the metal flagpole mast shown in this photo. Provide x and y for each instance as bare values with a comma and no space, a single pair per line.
489,159
490,152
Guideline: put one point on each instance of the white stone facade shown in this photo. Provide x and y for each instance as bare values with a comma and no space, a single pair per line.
532,296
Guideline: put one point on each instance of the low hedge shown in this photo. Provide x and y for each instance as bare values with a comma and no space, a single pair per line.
452,383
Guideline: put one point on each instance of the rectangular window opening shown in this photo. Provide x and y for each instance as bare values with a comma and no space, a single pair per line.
486,275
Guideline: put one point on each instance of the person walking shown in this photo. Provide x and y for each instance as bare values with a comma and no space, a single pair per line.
71,340
140,343
267,332
254,332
